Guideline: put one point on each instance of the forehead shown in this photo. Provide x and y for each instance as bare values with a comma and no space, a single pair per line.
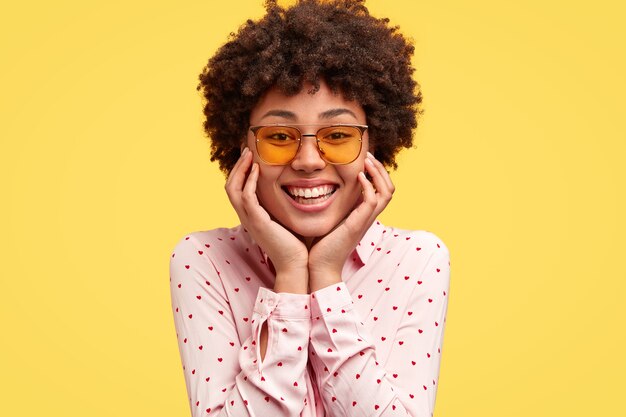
305,106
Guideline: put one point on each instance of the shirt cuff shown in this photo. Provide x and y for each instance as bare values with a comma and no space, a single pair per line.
331,299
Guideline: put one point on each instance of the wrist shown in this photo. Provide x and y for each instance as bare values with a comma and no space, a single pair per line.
323,278
295,281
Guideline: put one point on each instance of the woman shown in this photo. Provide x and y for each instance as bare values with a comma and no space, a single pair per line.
310,307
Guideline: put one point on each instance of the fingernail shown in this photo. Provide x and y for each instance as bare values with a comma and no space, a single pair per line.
245,151
369,161
370,155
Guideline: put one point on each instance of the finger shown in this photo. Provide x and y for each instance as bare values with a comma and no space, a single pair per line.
250,200
238,173
235,182
383,172
368,205
381,185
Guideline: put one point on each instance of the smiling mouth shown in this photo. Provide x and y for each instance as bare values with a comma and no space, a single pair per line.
312,195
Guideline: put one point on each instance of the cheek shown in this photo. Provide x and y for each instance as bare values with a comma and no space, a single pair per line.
266,188
351,182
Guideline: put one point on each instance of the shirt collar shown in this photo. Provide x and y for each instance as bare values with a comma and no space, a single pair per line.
370,241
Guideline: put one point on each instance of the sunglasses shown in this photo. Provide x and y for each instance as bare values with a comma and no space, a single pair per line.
337,144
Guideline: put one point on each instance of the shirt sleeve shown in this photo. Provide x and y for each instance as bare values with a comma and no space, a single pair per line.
343,353
226,377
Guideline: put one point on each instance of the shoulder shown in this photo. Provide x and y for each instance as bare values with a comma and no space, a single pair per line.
206,239
422,241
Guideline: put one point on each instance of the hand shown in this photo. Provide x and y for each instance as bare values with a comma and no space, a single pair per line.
288,254
328,254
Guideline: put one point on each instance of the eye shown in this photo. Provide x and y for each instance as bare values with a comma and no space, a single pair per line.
336,134
278,134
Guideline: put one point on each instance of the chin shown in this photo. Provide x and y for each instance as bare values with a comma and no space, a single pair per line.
311,228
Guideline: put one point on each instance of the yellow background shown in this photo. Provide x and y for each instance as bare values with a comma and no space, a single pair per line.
518,168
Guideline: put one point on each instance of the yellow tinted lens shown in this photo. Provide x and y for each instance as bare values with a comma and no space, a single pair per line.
340,144
277,144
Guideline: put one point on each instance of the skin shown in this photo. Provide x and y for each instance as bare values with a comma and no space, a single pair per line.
308,249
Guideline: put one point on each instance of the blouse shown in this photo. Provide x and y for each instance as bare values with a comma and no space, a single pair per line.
368,346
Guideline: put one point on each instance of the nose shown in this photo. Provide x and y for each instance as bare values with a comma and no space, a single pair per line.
308,158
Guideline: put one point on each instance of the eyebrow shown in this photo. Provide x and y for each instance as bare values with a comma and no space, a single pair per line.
328,114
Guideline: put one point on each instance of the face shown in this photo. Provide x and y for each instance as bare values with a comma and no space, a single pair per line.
337,185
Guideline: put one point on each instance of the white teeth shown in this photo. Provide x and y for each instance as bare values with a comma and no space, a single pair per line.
312,192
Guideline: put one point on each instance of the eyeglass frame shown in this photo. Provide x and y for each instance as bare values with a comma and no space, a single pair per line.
362,128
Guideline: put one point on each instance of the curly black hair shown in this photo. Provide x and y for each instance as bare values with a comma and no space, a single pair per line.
336,41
